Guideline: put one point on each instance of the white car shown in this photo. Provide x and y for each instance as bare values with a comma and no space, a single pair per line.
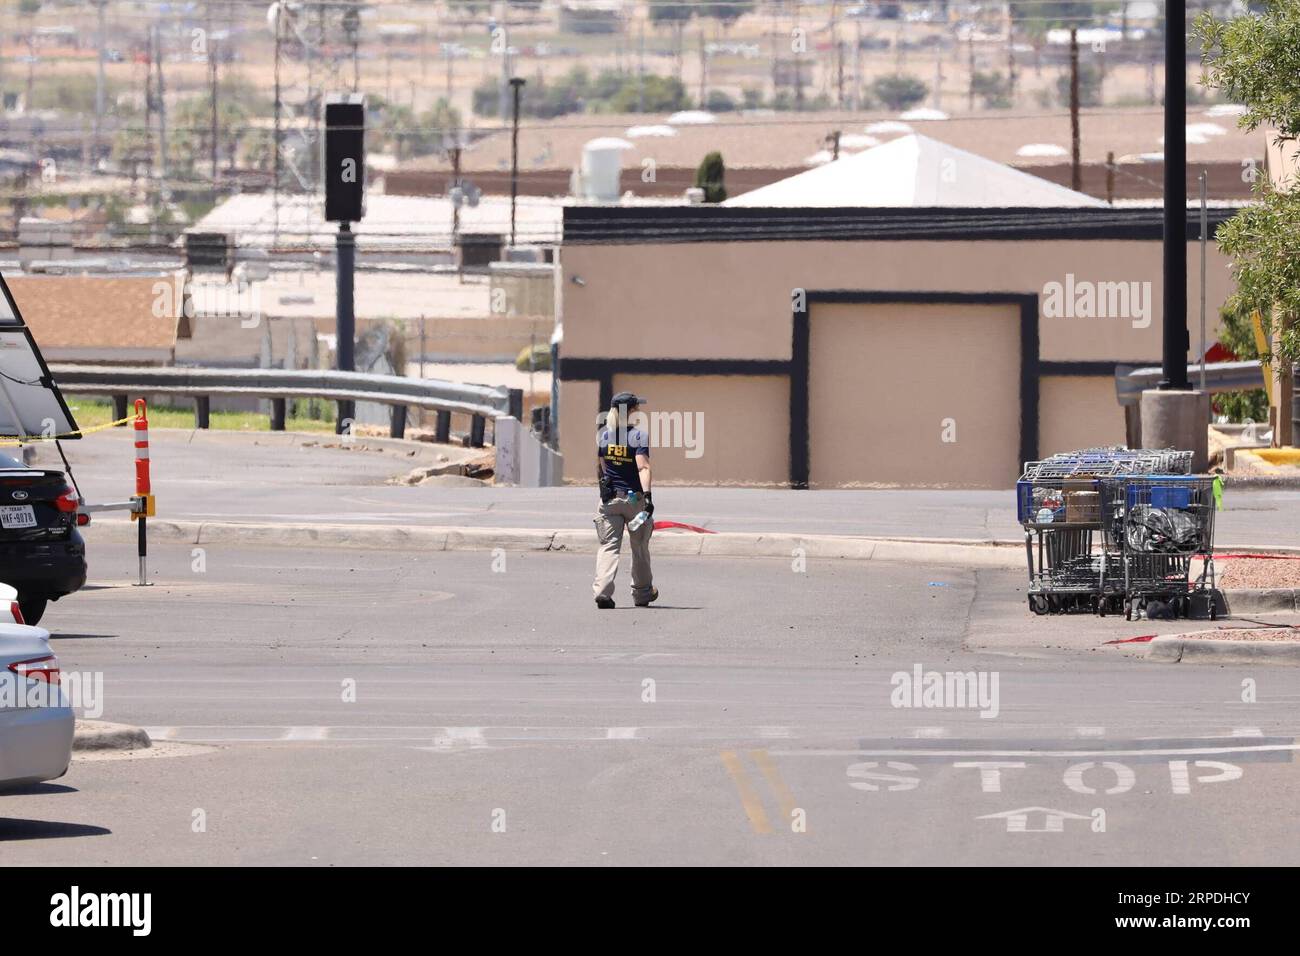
9,611
36,721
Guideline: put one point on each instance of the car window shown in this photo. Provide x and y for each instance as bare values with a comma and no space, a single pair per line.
7,462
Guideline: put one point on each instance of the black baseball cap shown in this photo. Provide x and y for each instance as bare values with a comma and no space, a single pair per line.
626,398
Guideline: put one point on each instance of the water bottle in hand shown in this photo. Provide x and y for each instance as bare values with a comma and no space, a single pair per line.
638,521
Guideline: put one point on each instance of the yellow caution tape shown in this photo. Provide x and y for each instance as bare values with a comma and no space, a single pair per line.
28,439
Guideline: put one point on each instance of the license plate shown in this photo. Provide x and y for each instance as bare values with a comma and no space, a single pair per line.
17,516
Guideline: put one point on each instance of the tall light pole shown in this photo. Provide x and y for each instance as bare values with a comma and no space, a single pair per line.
1172,414
516,86
1174,353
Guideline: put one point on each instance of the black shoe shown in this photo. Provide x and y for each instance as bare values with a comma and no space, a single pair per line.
654,596
604,603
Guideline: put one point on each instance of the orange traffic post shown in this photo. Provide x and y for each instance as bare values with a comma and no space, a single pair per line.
144,503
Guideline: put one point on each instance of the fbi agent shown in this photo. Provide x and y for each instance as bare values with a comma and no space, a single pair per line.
623,471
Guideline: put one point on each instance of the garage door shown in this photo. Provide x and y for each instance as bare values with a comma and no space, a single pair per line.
919,395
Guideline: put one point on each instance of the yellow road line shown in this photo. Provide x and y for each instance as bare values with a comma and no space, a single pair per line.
776,782
748,795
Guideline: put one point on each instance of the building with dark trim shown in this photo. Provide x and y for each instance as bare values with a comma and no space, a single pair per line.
841,347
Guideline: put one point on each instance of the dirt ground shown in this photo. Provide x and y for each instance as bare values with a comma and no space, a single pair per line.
1282,571
1280,633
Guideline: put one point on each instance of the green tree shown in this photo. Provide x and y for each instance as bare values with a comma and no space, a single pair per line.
1238,337
408,133
1254,60
190,148
663,94
719,101
710,177
899,91
1090,78
993,89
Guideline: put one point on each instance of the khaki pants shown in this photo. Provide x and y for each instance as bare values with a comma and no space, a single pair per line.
611,518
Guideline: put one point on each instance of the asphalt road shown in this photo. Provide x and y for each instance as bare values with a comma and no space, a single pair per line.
322,708
301,480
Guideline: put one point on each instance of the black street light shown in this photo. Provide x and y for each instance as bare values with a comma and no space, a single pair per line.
1176,340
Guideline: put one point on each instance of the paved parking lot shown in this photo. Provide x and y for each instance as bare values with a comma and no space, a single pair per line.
321,708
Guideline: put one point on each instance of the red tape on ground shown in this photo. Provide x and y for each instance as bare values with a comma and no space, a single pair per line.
686,527
1133,640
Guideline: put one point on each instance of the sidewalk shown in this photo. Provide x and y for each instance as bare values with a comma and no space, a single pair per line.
283,479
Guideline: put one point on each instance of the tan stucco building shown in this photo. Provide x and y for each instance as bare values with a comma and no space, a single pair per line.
854,347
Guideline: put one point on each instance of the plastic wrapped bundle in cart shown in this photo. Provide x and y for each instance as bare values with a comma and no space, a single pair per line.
1157,524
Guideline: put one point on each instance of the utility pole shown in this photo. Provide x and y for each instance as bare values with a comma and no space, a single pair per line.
455,206
970,56
517,85
275,132
1076,170
100,41
855,96
1011,57
704,68
162,104
148,116
213,82
798,68
776,74
839,73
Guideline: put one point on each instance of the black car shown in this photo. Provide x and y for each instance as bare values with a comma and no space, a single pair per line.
42,554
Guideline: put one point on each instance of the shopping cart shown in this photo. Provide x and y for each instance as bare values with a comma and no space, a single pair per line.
1111,462
1058,503
1158,525
1062,522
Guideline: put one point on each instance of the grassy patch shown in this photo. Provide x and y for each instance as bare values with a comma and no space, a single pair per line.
90,413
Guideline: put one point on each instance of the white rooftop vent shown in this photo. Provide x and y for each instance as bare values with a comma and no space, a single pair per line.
887,127
692,118
1042,150
636,132
923,114
602,165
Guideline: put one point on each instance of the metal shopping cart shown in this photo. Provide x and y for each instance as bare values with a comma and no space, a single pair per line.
1158,525
1058,503
1062,522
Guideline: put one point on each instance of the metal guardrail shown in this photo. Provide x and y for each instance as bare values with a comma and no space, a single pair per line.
1130,382
480,402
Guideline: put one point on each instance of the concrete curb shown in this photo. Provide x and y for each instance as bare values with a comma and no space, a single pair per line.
954,553
1258,600
1181,648
101,735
